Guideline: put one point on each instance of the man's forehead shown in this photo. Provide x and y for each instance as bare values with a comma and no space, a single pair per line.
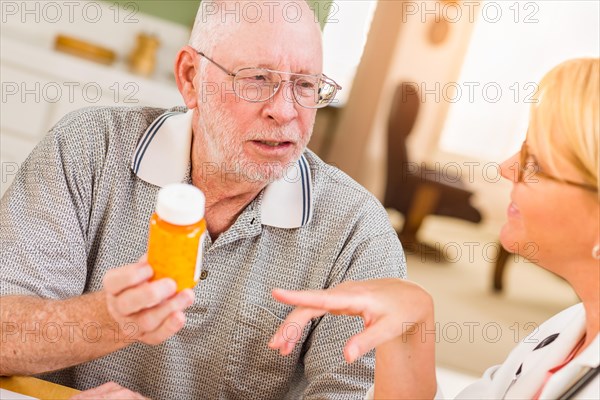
271,44
290,61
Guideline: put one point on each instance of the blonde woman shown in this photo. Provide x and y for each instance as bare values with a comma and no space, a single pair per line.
555,204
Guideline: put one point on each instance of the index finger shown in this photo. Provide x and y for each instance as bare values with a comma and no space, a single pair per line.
118,279
320,299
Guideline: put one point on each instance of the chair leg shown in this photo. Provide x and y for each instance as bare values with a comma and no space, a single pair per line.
499,268
424,202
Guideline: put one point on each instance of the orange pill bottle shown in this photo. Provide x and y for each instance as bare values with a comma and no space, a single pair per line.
177,230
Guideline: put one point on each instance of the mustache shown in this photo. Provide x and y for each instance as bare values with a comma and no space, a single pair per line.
223,122
285,134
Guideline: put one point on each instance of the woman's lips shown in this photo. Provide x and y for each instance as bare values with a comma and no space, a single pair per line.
513,210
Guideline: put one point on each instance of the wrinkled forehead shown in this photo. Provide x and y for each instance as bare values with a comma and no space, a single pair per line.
273,34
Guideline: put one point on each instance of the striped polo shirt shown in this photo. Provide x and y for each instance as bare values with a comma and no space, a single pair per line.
81,203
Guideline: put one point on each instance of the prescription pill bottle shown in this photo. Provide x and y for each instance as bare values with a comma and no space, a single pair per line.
177,230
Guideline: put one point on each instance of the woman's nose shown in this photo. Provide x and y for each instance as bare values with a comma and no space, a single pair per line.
510,168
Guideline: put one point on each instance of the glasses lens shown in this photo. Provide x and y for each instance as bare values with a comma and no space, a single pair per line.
306,90
327,92
256,84
314,92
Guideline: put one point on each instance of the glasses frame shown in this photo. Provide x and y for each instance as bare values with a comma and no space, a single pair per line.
525,155
234,74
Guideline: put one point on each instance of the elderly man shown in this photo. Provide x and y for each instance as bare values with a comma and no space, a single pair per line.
77,301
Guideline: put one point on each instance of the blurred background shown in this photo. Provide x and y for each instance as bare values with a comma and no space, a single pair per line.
435,95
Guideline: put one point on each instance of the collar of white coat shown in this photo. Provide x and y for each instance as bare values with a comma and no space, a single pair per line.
570,326
162,156
589,357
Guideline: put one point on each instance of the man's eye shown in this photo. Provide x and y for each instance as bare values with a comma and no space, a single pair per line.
304,84
259,78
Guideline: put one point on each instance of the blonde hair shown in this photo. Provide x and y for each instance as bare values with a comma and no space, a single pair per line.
565,121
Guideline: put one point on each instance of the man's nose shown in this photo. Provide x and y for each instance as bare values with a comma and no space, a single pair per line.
282,107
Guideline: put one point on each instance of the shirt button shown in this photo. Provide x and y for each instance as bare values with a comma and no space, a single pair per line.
203,275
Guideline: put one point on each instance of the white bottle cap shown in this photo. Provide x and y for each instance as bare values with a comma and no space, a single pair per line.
180,204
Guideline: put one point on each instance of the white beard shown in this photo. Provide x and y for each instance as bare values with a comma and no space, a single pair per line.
224,147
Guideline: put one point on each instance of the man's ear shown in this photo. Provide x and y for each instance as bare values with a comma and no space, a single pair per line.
185,74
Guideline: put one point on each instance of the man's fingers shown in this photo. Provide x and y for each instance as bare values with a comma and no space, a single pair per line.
149,320
290,330
145,296
96,392
119,279
110,390
124,394
168,328
319,299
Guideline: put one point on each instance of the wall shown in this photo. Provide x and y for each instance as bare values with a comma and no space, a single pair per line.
183,12
40,85
397,50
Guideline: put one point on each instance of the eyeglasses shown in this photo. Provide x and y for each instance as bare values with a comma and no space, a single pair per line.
261,84
529,167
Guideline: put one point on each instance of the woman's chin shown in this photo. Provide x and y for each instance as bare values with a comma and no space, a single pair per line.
508,239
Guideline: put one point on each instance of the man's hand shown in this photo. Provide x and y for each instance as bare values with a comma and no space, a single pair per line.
109,390
153,309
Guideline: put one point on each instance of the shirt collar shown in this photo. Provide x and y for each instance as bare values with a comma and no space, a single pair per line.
162,156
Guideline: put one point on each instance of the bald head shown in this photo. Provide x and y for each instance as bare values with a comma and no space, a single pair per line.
217,21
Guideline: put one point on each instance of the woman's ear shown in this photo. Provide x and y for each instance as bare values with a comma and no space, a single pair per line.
186,71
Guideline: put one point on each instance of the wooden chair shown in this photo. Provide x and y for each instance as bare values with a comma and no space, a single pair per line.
416,190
